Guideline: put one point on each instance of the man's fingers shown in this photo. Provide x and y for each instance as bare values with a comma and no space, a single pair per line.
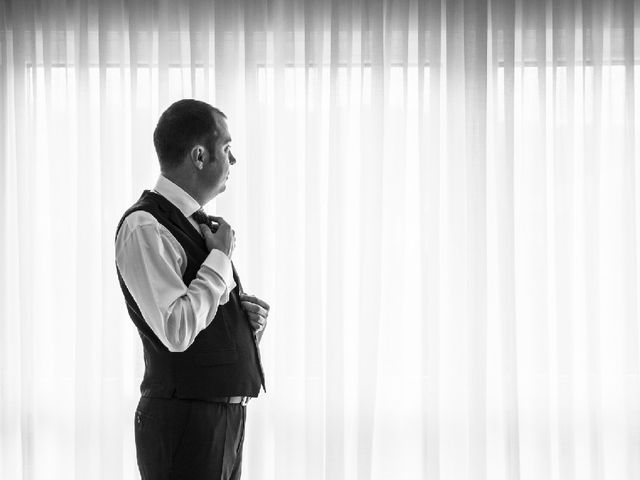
257,322
215,222
256,300
206,231
254,308
217,219
257,327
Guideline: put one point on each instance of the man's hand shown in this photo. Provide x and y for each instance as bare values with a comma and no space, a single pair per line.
224,238
257,311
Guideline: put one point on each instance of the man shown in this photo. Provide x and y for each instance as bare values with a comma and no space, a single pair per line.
199,331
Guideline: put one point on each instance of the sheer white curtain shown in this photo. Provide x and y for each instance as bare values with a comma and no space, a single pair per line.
438,200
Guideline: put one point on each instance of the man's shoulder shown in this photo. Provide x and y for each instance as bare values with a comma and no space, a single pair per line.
143,212
139,218
149,201
135,221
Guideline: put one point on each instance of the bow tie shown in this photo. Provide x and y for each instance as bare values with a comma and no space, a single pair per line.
201,217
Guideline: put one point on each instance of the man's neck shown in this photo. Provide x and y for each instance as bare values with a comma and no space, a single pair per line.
187,183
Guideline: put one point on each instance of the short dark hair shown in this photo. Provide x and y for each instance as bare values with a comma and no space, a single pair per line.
182,125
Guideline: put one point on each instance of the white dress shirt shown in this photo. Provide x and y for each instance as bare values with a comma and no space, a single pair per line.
152,262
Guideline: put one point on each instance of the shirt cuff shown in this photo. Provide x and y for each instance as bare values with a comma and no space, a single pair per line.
221,264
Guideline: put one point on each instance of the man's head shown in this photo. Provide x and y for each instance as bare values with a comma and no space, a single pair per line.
193,145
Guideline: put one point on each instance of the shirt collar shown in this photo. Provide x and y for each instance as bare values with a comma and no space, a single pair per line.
176,195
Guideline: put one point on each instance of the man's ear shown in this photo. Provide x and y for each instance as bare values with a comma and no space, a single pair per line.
197,156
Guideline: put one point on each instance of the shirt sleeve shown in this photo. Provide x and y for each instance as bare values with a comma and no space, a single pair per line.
151,263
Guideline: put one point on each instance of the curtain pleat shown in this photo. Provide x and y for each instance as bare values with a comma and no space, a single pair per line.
592,41
430,131
503,67
630,238
371,221
475,95
315,224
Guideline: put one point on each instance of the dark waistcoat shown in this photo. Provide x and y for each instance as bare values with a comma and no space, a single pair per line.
224,359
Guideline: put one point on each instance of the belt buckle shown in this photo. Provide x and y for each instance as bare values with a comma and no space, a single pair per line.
244,401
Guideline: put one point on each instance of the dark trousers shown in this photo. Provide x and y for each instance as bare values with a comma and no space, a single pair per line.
189,439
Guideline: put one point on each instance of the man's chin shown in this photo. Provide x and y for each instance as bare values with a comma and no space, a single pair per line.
220,189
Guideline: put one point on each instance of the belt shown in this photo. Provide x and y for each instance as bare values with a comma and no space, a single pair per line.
241,400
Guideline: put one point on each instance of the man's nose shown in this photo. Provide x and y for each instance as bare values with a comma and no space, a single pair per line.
232,159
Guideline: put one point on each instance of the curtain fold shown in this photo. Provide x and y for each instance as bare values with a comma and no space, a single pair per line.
437,198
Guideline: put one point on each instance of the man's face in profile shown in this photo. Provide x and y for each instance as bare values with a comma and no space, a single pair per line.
220,158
